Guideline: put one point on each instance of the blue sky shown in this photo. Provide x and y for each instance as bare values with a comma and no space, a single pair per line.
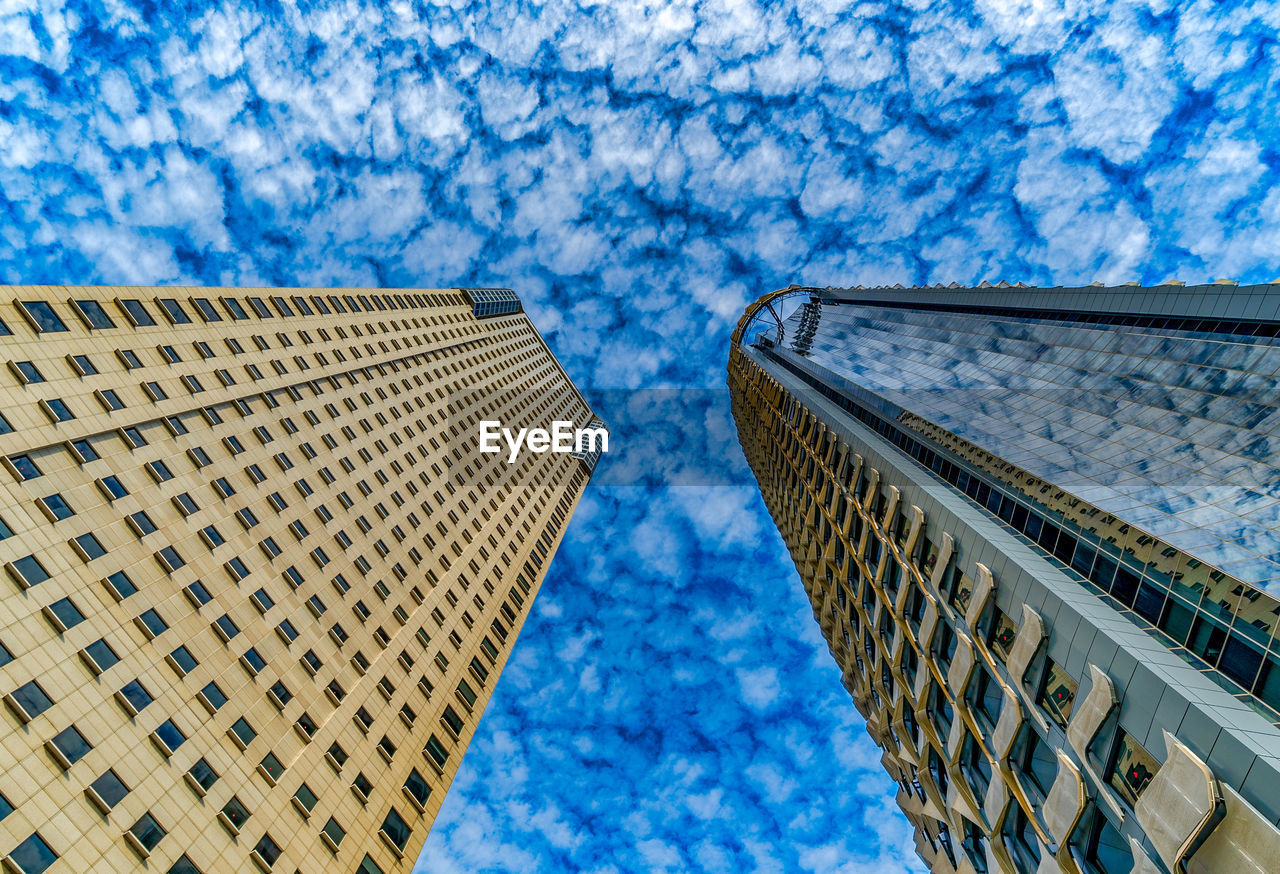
639,171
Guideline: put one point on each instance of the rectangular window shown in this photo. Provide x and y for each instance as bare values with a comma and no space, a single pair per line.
92,314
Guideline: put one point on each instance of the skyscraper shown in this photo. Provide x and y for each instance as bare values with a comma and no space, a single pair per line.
1040,531
259,580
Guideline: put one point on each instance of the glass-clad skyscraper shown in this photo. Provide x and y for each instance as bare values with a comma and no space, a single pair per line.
1040,530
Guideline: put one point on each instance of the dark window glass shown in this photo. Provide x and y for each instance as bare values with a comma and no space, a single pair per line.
92,548
57,507
102,654
85,450
183,658
137,313
28,371
244,731
66,612
136,695
110,788
268,850
204,776
32,699
44,318
114,487
33,856
396,829
147,831
254,660
272,766
175,311
30,569
236,812
436,750
93,314
214,695
121,584
184,866
25,467
71,743
207,312
170,734
417,787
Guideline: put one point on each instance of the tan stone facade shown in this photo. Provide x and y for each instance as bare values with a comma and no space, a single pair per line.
259,581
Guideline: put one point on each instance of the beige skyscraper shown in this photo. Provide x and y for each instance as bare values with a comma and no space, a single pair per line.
260,580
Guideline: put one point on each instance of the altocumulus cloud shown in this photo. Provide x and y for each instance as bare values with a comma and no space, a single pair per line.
639,171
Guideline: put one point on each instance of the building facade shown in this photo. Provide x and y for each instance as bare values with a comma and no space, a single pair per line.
1040,531
259,582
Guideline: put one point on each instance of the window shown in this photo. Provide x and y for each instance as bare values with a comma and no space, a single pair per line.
177,315
186,506
305,800
202,775
207,312
396,830
26,371
134,697
466,694
159,471
184,865
226,627
82,365
58,411
152,624
368,866
262,601
213,697
234,815
452,720
332,834
243,731
1057,694
337,756
84,449
182,661
169,559
24,467
141,523
120,585
267,850
63,614
436,751
43,319
287,631
271,768
417,789
109,399
129,359
27,571
112,488
253,661
146,833
56,508
69,746
99,656
1105,850
92,314
31,701
89,547
280,694
107,791
198,594
1132,768
362,786
169,736
136,313
34,855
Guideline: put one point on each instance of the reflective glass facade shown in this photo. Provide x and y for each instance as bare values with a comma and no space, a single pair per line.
1037,528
